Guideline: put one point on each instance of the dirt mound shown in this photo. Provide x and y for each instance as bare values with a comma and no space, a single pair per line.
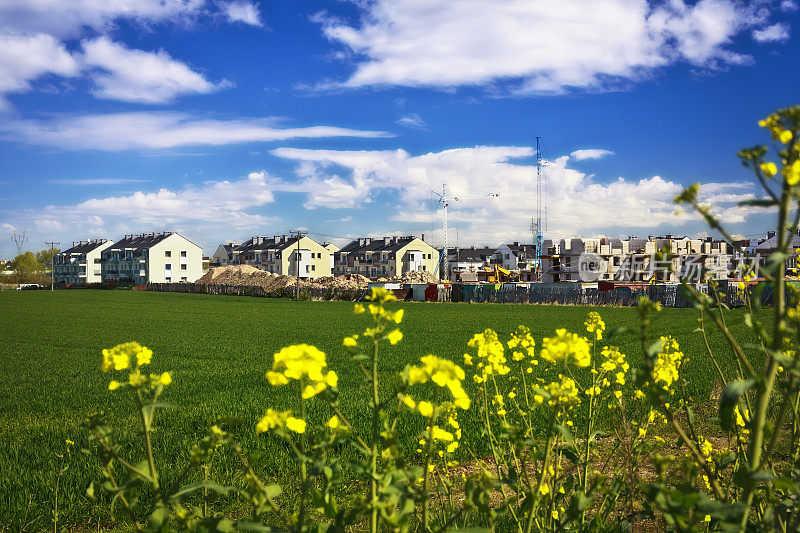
419,277
248,276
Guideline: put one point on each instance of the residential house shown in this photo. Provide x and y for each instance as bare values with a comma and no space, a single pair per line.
289,256
388,257
332,249
81,263
224,254
164,257
464,263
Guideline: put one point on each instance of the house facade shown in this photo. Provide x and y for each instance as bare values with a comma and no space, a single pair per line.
224,254
81,263
386,257
164,257
464,263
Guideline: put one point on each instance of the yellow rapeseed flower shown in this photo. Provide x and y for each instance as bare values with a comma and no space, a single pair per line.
425,408
332,423
395,336
564,345
165,379
594,324
298,425
769,169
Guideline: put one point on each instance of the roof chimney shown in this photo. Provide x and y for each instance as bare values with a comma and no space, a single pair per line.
387,241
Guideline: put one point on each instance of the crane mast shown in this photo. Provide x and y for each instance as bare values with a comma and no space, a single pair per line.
538,236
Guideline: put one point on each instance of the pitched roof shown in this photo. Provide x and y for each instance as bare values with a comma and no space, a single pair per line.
381,244
472,254
84,247
142,241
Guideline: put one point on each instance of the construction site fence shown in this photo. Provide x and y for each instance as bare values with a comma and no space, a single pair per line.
568,294
347,295
667,296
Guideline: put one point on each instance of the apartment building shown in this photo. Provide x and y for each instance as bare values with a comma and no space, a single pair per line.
634,259
389,257
164,257
464,263
282,254
223,254
291,256
80,263
516,256
332,249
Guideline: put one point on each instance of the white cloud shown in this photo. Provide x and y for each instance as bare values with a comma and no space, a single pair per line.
158,130
24,58
577,202
536,46
776,32
205,211
412,120
590,153
35,36
139,76
242,11
789,5
67,18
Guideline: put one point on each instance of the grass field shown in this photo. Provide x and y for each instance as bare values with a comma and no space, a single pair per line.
218,348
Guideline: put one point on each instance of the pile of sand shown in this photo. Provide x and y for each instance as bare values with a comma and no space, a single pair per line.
248,276
419,277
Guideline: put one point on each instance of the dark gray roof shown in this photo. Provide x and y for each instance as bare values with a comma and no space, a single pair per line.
381,244
471,254
526,249
84,247
140,242
263,244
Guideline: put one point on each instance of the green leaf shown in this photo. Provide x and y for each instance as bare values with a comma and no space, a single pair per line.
273,491
759,202
205,483
566,434
246,525
729,399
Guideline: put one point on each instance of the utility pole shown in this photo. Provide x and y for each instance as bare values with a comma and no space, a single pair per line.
53,264
299,235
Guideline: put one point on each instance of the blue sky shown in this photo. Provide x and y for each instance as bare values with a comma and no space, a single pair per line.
225,119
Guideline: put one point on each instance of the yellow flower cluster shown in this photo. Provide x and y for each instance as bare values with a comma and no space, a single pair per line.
594,324
120,356
491,355
522,345
564,392
443,373
274,419
132,355
668,363
565,345
302,362
774,124
777,128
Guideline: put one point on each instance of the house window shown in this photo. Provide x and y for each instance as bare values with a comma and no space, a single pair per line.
183,253
183,278
423,267
168,266
506,256
169,280
183,266
313,267
307,269
167,253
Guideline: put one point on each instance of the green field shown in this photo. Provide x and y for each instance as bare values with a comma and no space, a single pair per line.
218,348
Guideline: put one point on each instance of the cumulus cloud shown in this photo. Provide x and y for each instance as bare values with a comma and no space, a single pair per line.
158,130
242,11
590,153
577,202
139,76
776,32
204,211
27,57
537,47
35,36
68,18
